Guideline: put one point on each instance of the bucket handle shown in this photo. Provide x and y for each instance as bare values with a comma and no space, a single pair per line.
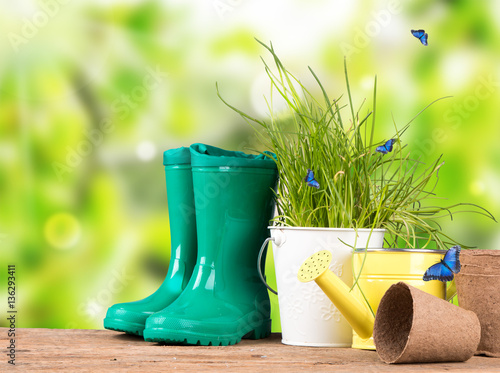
259,262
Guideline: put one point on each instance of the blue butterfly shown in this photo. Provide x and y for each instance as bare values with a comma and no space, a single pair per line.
387,147
421,35
310,180
444,270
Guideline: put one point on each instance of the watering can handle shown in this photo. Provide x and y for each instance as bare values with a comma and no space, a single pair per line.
259,262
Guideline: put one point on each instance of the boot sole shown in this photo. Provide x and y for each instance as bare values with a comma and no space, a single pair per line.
124,326
202,339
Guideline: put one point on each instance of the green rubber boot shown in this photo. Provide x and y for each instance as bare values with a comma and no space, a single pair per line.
131,317
225,299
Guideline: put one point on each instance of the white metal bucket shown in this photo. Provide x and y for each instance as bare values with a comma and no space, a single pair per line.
308,317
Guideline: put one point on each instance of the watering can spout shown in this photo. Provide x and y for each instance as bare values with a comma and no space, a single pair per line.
357,314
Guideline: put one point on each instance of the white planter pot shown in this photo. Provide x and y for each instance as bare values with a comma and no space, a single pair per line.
308,317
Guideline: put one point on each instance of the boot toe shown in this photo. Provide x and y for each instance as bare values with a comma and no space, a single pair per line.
121,317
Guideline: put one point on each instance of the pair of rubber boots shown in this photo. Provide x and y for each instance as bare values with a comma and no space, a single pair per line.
220,203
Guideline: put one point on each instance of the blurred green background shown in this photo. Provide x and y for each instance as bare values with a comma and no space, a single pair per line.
91,93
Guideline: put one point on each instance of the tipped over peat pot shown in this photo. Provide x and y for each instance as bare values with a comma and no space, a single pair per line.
412,326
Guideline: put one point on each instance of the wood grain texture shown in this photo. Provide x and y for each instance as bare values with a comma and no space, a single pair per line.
53,350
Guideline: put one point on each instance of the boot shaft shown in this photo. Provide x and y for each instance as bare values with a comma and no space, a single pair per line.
180,199
182,218
233,202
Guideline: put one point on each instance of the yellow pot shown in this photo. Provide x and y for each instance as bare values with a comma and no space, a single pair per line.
384,267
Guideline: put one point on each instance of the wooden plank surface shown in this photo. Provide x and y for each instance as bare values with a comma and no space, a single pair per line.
54,350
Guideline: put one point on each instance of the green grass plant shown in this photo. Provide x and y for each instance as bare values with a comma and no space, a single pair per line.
359,186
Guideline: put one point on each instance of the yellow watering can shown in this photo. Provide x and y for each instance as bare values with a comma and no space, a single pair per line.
351,305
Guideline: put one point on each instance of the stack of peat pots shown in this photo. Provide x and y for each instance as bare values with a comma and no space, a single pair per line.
478,285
